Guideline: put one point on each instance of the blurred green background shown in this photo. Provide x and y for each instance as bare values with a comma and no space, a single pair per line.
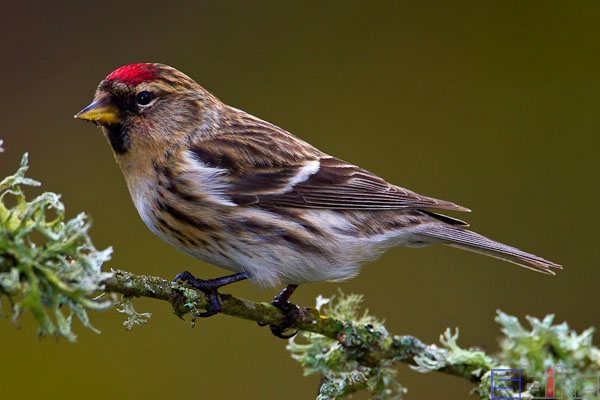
493,105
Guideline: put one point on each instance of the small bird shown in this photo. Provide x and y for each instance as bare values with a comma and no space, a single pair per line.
235,191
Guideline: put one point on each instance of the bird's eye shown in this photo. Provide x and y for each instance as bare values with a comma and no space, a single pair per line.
144,98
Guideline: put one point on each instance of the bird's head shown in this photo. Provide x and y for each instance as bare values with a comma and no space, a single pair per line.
146,108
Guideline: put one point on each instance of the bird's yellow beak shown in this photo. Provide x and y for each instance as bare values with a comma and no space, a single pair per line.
100,111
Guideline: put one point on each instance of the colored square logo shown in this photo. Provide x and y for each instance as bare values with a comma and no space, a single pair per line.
505,379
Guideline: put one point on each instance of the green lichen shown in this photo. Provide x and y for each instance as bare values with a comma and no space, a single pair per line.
469,363
48,266
546,344
133,317
337,360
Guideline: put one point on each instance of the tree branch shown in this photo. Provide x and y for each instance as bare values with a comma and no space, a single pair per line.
368,346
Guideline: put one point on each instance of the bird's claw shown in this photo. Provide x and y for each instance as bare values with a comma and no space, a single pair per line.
205,286
290,311
209,287
213,307
185,276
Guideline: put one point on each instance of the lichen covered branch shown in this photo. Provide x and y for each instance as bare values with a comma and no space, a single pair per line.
362,339
353,351
371,345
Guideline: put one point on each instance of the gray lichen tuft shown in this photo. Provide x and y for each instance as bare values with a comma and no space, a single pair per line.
133,317
337,360
48,266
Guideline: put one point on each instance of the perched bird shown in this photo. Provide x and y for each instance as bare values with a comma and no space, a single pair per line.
235,191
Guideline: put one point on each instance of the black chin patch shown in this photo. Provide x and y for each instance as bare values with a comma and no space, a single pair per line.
118,138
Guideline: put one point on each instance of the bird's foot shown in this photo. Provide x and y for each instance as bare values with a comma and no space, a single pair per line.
210,288
290,311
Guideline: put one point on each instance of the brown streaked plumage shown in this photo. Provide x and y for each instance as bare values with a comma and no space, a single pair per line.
238,192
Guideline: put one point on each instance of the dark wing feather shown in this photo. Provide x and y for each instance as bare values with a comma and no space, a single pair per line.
264,164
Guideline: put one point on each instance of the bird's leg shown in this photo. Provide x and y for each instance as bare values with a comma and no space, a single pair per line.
210,287
290,311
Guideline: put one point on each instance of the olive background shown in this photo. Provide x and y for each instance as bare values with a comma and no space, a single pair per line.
493,105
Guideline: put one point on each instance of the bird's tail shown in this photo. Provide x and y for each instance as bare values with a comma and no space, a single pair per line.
456,236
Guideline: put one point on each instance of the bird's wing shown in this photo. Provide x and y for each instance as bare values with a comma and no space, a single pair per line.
266,166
